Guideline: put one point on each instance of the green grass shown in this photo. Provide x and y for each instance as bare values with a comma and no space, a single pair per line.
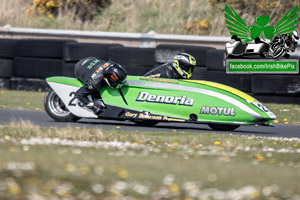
144,165
29,100
22,100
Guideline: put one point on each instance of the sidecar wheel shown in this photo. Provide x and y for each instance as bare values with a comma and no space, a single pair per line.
56,109
223,127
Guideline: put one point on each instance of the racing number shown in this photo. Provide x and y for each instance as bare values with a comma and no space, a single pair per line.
73,100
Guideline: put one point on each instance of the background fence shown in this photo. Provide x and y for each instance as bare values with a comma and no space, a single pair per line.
25,63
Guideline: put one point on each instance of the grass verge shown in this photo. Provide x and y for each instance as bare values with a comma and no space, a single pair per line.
76,163
29,100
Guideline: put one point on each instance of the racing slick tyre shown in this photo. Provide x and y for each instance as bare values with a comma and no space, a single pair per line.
146,123
223,127
56,109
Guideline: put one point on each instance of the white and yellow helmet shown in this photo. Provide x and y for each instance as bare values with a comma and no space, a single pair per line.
184,64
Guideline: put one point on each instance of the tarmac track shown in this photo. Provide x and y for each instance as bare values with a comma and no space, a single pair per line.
42,119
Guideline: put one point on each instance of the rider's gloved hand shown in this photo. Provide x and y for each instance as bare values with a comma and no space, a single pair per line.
97,107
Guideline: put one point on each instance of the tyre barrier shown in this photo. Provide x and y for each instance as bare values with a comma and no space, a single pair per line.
215,60
4,83
132,56
166,52
41,48
25,63
37,67
238,81
276,84
28,84
8,48
200,73
74,52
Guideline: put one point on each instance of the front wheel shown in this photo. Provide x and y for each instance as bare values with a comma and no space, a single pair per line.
56,109
223,127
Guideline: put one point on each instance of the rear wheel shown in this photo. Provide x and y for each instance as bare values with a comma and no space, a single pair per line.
146,123
223,127
56,109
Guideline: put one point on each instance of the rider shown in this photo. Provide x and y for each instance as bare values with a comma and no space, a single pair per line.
95,73
288,41
181,67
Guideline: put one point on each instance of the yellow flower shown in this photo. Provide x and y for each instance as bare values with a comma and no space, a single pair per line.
134,143
174,188
6,137
255,194
123,173
14,188
175,144
154,143
285,120
217,142
295,145
70,167
12,149
169,149
275,121
260,157
50,4
272,160
40,10
174,130
118,127
84,170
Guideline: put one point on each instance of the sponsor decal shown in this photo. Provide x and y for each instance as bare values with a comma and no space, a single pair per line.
147,115
94,75
106,64
183,100
92,64
166,118
217,111
159,80
130,114
114,77
84,62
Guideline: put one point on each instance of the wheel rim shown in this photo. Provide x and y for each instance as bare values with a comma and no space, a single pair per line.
56,105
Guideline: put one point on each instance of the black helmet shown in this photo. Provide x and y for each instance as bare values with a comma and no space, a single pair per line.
115,76
184,64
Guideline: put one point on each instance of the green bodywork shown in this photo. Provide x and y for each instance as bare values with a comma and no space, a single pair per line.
204,94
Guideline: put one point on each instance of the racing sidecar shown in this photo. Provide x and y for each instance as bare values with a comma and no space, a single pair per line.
147,101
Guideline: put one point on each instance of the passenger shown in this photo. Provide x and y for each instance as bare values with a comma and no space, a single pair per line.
181,67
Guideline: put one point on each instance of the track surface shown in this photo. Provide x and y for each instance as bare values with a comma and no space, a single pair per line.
42,119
